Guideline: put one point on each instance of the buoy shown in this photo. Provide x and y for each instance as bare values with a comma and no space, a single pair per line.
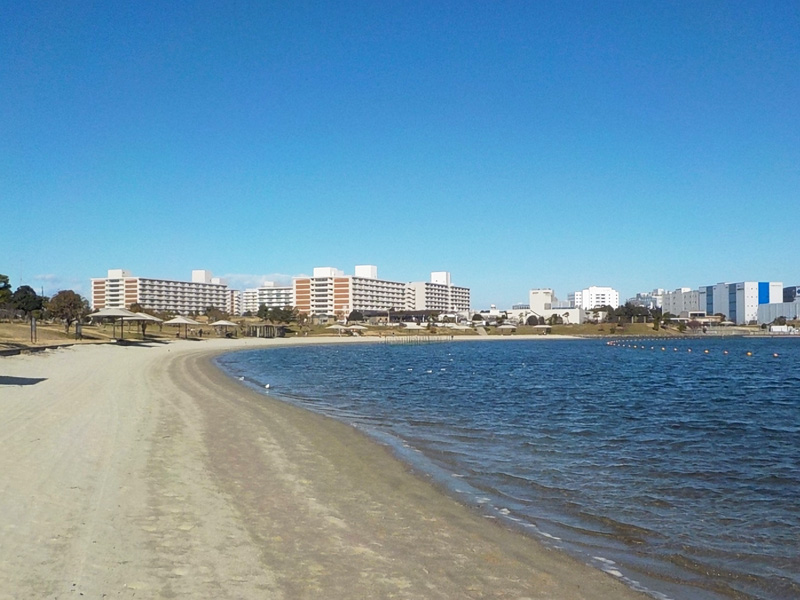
775,355
689,350
662,348
724,351
705,351
749,353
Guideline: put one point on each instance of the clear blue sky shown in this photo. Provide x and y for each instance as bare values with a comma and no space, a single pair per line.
514,144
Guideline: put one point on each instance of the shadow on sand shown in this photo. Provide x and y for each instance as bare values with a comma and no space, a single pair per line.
7,380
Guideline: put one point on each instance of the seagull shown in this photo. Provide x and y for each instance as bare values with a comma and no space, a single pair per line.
241,378
266,386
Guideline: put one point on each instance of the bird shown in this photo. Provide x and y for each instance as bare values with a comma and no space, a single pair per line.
266,386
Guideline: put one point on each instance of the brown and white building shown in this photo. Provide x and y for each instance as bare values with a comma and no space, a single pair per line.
329,291
121,289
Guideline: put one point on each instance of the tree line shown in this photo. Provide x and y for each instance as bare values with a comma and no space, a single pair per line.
66,305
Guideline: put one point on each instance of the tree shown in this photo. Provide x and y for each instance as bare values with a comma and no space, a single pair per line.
215,314
5,290
355,316
68,306
27,300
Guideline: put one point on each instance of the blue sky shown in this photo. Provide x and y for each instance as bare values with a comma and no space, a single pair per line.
514,144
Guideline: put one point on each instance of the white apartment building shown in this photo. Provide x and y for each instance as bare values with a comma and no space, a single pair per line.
739,302
120,289
437,294
594,297
682,300
268,294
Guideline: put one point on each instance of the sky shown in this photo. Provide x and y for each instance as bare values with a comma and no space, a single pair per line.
517,145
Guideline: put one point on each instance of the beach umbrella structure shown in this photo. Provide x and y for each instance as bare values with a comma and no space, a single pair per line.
113,314
506,328
143,319
181,320
337,327
224,323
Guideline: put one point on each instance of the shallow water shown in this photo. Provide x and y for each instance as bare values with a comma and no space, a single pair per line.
677,471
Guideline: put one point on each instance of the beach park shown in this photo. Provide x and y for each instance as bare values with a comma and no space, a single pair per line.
143,471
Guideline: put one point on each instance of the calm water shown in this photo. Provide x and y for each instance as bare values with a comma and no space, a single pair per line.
677,471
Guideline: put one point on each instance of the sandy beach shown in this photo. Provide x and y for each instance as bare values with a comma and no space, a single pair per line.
144,472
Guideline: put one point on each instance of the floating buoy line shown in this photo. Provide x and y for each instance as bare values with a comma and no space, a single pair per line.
645,345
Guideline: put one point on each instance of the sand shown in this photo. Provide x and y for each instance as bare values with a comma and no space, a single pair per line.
143,472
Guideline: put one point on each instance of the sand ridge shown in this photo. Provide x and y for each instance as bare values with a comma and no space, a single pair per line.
145,472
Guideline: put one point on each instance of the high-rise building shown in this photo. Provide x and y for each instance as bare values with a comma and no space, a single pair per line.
437,294
595,297
269,294
121,289
329,291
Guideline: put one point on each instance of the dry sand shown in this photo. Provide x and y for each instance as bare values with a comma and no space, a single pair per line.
143,472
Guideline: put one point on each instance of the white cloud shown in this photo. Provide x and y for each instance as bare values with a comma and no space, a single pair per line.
241,281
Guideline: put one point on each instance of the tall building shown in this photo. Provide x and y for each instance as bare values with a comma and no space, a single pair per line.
437,294
682,300
595,297
121,289
329,291
739,302
233,302
268,294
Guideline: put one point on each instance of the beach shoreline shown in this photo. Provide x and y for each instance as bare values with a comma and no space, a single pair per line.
148,472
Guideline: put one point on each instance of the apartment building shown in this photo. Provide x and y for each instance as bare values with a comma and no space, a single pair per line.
437,294
120,289
594,297
330,291
269,294
739,302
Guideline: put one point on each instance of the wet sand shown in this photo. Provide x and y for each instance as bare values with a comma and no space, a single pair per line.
144,472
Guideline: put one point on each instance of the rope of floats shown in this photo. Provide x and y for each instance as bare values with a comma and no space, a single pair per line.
642,346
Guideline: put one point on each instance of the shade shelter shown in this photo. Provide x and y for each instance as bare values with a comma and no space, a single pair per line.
225,324
181,320
143,319
113,314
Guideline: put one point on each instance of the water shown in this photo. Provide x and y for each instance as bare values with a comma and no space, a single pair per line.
677,471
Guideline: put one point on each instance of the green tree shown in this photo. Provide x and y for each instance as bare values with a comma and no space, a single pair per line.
68,306
27,300
5,290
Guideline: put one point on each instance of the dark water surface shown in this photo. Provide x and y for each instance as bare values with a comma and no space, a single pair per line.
675,470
